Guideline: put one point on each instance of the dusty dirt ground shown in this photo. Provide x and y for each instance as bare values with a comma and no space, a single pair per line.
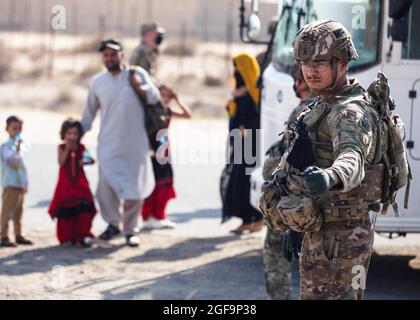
198,260
166,266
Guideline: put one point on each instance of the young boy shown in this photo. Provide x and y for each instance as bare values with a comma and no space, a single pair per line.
14,182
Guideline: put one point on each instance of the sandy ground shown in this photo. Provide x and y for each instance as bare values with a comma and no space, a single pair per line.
166,266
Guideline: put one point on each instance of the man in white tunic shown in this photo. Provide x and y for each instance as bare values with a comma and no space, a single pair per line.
125,168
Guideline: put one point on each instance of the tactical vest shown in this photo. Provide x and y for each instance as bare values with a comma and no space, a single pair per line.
386,167
338,205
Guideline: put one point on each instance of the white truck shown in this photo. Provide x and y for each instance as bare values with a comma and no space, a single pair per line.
386,34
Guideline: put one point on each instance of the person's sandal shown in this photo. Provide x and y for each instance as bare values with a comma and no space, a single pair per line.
132,240
87,242
256,226
242,228
5,242
110,232
21,240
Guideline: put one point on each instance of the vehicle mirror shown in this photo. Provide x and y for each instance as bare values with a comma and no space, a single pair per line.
254,26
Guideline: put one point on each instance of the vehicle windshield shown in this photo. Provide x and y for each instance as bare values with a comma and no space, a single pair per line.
360,17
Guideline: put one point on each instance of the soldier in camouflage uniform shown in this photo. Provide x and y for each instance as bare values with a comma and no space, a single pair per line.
145,55
330,199
276,267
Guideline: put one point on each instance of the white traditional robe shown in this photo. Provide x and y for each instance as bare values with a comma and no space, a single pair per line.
123,147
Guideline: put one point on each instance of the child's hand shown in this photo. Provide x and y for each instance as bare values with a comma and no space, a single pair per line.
242,130
135,80
15,164
240,92
70,145
174,96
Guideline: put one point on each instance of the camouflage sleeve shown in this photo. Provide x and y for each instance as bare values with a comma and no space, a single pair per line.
140,58
352,133
134,57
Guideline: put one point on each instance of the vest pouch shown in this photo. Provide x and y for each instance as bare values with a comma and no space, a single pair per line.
299,213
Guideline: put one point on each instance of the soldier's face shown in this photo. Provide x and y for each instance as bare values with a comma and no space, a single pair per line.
320,74
112,59
317,74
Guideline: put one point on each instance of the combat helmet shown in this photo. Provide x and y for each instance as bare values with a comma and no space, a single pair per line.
324,40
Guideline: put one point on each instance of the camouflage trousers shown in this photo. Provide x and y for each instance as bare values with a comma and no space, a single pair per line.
278,273
334,261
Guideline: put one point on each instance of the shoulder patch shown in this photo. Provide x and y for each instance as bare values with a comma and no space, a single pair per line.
338,33
364,124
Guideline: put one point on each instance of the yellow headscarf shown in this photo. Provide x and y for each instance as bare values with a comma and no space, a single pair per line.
249,69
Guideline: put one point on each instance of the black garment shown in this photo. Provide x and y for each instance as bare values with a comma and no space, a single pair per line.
235,191
69,212
163,172
247,115
235,183
239,80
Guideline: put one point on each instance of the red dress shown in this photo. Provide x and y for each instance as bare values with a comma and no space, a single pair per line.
73,203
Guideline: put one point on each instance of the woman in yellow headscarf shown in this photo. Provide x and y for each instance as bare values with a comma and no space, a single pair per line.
244,120
247,72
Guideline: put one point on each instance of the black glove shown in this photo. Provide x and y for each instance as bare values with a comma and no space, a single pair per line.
316,181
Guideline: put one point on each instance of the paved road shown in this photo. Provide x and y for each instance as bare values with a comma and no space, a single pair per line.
198,260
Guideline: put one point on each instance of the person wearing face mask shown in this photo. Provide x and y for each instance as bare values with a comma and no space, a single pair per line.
146,53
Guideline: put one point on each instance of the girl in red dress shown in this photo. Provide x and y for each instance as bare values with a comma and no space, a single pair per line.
154,208
72,205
